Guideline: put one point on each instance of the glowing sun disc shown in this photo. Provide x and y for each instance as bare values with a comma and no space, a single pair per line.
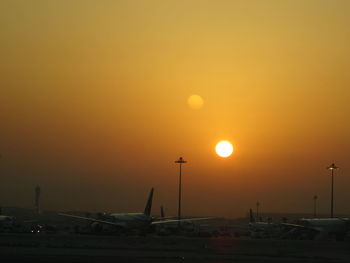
224,149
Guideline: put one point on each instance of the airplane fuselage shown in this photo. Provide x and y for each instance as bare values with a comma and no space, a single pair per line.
329,225
131,219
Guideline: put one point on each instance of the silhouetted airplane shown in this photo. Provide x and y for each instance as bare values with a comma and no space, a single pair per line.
134,220
6,223
320,228
305,228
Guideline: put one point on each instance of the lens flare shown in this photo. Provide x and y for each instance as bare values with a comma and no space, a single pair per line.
195,102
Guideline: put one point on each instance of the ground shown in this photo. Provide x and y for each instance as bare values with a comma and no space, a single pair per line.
89,248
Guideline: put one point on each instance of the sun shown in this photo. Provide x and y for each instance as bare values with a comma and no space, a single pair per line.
224,149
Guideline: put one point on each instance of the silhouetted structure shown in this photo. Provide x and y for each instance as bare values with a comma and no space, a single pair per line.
37,198
257,209
332,167
180,161
315,200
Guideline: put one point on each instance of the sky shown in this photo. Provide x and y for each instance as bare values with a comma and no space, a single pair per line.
93,104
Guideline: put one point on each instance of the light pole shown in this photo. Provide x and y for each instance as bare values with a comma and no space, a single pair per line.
37,198
332,167
257,210
0,206
315,199
180,161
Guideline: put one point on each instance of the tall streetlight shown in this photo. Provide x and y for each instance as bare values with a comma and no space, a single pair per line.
332,167
180,161
37,198
257,210
315,200
0,206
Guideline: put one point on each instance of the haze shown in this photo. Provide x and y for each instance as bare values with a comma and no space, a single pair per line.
93,104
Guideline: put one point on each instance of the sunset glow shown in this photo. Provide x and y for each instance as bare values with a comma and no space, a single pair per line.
98,98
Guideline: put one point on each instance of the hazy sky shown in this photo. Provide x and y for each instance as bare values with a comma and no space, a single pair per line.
93,104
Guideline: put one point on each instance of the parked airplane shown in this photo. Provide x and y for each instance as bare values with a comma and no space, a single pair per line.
321,228
172,224
259,229
305,228
10,224
133,220
6,223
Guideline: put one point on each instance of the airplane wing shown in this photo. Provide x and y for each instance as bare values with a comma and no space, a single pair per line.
296,226
293,225
165,218
182,220
94,220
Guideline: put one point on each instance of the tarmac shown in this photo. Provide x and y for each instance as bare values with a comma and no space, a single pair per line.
76,248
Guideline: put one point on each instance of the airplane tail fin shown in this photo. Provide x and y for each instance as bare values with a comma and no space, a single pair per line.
251,216
149,203
162,214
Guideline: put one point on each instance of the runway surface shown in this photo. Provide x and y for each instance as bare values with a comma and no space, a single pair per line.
88,248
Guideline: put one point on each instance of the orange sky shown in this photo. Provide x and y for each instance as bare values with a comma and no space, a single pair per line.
93,104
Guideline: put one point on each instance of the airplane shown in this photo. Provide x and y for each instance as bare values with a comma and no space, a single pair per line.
259,229
11,224
6,223
320,228
171,226
304,228
133,221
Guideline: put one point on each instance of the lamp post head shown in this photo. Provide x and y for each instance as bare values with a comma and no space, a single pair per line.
181,160
332,167
315,197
